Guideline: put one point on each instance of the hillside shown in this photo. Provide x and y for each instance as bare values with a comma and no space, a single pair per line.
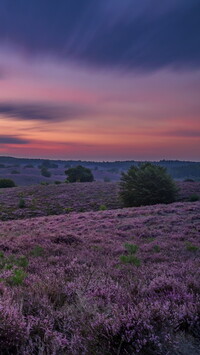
66,198
71,284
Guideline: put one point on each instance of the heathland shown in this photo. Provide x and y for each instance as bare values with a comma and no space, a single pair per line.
122,281
80,274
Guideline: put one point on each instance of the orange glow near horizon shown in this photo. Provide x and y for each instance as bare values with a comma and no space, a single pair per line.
104,116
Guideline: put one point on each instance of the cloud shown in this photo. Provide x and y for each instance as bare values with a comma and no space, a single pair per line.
42,112
141,35
183,133
6,139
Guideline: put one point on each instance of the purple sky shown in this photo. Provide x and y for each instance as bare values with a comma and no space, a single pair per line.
104,80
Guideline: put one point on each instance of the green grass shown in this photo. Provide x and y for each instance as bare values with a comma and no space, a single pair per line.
131,248
37,251
130,259
156,248
191,247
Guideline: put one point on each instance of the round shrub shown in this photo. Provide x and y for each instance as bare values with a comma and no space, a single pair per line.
79,174
147,184
6,183
45,172
194,198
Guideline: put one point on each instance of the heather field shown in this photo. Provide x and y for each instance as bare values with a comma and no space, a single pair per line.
122,281
65,198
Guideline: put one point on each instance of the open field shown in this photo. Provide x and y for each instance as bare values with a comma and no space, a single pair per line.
65,198
108,282
23,176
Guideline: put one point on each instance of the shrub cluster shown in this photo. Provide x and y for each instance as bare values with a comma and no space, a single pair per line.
6,183
147,184
79,174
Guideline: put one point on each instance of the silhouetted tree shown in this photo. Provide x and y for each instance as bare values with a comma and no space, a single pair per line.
147,184
79,174
6,183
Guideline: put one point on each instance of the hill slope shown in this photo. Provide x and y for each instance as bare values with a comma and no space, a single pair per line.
70,284
65,198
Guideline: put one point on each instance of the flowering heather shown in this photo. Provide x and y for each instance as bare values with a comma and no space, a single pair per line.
66,198
65,289
57,199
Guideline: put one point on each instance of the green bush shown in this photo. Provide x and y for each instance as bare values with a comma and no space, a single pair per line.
102,208
194,197
4,183
106,179
44,183
21,203
45,172
57,182
28,166
14,172
147,184
79,174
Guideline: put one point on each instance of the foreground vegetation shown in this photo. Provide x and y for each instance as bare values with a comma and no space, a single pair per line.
110,282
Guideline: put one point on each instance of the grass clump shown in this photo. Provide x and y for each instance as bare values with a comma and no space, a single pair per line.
22,261
130,259
17,267
131,248
22,203
18,277
191,247
156,248
37,251
102,208
68,209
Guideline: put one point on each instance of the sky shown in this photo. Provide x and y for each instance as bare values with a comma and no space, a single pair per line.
100,79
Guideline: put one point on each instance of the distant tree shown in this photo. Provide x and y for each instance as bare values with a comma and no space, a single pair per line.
45,172
46,163
2,165
106,179
28,166
79,174
14,172
147,184
4,183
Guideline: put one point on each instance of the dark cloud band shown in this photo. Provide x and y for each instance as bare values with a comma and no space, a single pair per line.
42,112
131,34
5,139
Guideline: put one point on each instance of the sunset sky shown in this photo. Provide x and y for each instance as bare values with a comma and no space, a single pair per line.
100,79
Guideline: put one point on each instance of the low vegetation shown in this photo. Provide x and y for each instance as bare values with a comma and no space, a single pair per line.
50,199
118,282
